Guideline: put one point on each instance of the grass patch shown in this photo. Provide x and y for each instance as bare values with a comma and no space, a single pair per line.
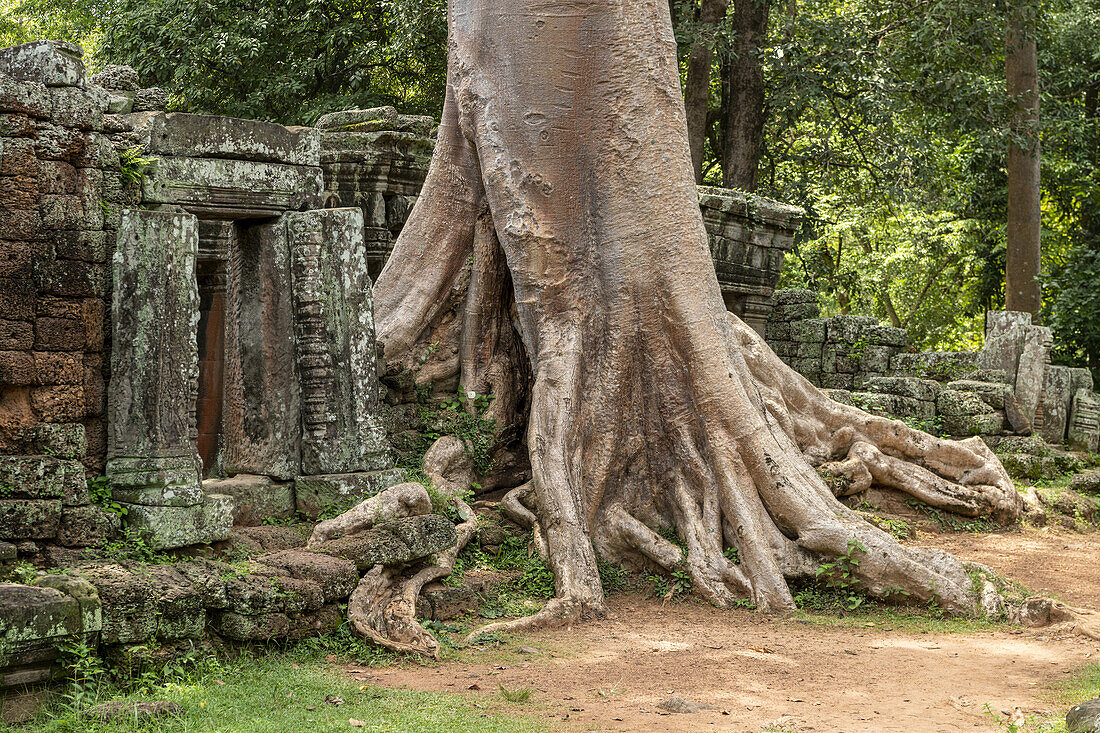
271,692
1083,685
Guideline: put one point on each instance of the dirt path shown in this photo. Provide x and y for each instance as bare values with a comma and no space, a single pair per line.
788,673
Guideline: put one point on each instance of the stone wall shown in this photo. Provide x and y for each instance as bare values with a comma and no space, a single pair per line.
1008,388
842,352
60,196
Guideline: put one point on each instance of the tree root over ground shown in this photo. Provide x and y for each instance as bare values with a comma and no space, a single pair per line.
556,259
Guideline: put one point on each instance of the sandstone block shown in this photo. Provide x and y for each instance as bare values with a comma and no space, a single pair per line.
255,498
395,543
179,526
53,63
314,494
209,136
336,576
29,519
87,526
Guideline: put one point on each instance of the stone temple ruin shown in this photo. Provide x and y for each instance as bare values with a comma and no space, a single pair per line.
186,320
201,331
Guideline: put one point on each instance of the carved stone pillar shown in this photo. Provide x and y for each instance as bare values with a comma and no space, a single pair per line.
334,331
151,457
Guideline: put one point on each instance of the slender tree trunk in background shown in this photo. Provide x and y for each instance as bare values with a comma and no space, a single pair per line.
1023,253
697,84
557,260
744,123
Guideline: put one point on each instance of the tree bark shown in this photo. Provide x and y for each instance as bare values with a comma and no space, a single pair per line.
745,112
1023,252
557,257
697,84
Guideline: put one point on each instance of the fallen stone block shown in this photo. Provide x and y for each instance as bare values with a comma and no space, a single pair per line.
336,576
255,498
398,542
171,526
315,494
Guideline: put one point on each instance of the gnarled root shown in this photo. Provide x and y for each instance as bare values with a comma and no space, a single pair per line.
382,608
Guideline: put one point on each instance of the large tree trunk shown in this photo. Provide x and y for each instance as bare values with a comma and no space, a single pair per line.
697,83
561,206
1023,254
744,124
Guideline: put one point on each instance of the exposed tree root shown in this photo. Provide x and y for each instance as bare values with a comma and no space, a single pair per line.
382,608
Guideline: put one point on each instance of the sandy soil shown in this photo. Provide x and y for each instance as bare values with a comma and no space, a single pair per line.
785,673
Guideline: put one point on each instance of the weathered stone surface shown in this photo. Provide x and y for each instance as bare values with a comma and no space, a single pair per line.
32,477
336,576
1052,412
264,539
128,604
29,519
438,602
117,78
939,365
334,332
33,622
1069,503
151,456
227,188
892,405
395,543
175,526
86,595
314,494
991,423
1084,717
1087,482
993,394
842,396
1031,370
152,99
261,419
24,98
209,136
87,526
1004,340
53,63
924,390
255,498
1083,429
950,402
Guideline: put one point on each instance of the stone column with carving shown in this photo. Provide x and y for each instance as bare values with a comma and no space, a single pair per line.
343,440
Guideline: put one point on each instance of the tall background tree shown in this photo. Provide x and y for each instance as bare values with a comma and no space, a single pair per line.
889,121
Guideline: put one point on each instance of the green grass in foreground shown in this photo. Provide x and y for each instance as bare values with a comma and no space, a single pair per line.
274,693
1083,685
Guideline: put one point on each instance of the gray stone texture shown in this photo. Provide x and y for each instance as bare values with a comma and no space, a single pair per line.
398,542
334,333
1052,411
154,363
179,526
315,494
255,498
1083,428
53,63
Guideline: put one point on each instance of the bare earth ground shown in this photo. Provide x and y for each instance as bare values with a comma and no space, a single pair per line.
863,673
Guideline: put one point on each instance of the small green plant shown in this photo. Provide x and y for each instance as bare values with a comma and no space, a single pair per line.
951,522
86,675
23,572
134,546
523,694
840,574
132,164
99,490
612,577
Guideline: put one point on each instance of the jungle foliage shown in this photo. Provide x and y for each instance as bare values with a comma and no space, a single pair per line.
887,121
